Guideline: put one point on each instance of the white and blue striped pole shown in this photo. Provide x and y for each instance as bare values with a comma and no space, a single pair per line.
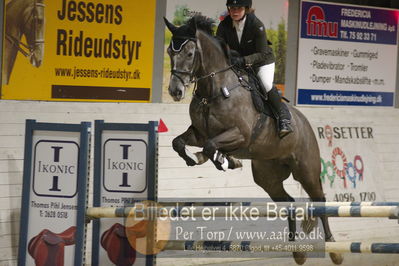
391,212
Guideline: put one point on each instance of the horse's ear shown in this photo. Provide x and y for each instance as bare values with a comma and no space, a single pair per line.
169,25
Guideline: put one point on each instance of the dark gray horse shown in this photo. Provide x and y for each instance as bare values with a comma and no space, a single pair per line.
226,124
23,17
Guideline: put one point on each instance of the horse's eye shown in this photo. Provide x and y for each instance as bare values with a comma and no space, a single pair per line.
190,54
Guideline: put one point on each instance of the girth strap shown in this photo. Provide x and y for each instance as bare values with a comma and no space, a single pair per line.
258,127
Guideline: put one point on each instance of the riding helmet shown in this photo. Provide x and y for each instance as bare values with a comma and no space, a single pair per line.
247,3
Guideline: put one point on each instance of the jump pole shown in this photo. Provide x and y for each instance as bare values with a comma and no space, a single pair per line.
224,211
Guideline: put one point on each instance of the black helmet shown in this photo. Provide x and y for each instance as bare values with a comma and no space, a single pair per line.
247,3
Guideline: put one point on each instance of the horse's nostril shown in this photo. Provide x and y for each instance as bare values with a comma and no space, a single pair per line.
35,62
176,92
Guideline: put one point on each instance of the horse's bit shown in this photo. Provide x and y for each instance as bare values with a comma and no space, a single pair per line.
22,46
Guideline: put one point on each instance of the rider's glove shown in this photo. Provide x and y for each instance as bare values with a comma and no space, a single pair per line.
238,61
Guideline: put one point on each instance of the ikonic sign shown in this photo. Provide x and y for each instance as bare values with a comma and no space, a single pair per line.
55,168
54,193
124,172
124,165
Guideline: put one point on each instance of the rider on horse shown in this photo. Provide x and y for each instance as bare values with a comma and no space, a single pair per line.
245,34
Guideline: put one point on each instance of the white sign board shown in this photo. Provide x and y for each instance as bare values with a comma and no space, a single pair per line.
125,173
349,164
347,55
54,194
54,187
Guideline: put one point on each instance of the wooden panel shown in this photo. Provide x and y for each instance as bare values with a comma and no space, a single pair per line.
175,178
12,141
9,228
11,165
11,178
14,153
7,191
8,238
10,203
8,254
10,215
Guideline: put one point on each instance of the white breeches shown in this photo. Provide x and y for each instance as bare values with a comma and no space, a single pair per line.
266,75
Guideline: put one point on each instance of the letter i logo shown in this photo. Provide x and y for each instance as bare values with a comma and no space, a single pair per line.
57,150
125,156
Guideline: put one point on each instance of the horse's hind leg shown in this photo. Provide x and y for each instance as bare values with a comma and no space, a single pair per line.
270,176
312,185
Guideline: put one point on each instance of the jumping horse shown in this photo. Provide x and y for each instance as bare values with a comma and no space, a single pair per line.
225,123
23,18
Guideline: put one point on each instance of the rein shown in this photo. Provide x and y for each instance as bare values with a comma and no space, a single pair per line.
224,90
20,45
212,74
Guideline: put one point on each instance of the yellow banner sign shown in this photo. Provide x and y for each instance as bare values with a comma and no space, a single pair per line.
98,50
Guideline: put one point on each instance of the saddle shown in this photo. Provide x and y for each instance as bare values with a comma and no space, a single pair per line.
259,99
47,248
118,240
117,245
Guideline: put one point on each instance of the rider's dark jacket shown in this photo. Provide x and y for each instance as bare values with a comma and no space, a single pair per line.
253,46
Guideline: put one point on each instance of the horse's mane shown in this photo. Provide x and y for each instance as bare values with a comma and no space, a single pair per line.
197,22
203,23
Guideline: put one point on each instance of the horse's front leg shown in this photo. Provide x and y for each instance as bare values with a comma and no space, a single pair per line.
215,148
189,137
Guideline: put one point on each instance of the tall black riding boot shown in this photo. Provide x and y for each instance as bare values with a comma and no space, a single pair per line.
281,109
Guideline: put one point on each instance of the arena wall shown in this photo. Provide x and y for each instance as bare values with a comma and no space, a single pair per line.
179,181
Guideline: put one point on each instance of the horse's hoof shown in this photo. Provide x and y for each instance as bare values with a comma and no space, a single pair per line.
191,159
234,163
201,157
190,163
300,257
337,258
309,224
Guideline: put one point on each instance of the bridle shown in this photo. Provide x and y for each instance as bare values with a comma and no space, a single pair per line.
193,79
176,50
25,49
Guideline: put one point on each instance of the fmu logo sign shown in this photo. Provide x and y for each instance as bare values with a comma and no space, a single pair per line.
125,165
316,24
55,168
